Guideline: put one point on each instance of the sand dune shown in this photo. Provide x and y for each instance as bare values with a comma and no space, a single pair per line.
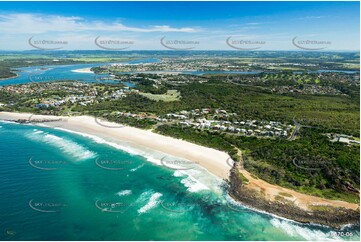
84,70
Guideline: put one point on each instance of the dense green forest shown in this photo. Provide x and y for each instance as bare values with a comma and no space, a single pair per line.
336,174
5,72
336,113
310,164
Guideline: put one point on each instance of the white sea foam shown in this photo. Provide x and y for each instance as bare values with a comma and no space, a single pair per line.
295,230
195,178
136,168
69,147
144,196
8,122
148,155
291,227
153,201
124,193
193,184
36,131
179,174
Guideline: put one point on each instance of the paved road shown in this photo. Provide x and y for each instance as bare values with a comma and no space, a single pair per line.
295,131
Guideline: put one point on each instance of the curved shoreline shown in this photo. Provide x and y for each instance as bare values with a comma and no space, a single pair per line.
8,78
83,70
214,161
329,215
333,214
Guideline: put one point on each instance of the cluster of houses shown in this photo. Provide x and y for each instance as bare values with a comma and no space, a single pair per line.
343,138
34,88
55,102
307,89
135,115
77,93
209,119
20,89
159,78
181,64
84,100
221,120
273,64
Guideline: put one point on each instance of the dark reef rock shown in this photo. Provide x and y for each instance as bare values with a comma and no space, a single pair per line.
328,216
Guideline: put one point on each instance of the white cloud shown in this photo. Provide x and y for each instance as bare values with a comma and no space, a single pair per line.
39,24
80,33
311,17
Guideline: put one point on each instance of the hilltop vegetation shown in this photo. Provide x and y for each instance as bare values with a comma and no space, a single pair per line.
311,163
6,73
11,61
338,113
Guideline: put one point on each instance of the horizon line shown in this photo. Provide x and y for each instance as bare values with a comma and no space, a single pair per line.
241,51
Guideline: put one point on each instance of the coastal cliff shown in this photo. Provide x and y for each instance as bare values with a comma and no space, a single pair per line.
334,217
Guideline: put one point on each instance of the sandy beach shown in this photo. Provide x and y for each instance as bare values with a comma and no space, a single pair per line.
214,161
296,206
84,70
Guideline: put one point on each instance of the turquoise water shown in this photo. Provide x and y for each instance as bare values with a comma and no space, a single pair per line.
60,72
65,72
53,187
200,72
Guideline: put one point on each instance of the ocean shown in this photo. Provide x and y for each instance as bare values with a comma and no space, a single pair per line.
59,185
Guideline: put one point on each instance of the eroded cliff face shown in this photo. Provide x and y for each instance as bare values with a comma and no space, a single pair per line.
235,183
324,215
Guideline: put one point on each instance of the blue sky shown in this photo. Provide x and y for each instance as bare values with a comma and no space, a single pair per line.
207,25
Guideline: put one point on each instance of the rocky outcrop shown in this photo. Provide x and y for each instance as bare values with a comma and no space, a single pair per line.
324,215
